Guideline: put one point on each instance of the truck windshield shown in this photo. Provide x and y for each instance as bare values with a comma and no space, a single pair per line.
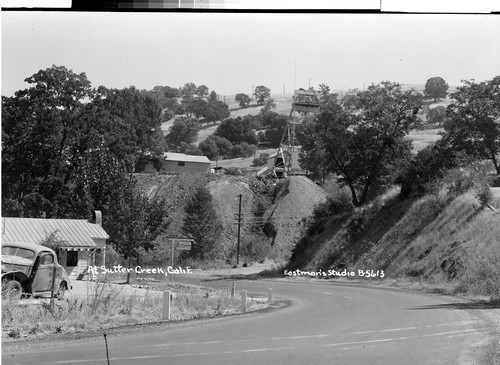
18,251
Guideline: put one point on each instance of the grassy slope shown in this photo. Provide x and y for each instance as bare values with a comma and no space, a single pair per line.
451,243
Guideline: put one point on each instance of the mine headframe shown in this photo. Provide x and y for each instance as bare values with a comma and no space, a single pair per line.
306,104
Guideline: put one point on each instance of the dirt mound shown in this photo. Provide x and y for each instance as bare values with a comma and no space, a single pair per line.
225,193
295,200
175,190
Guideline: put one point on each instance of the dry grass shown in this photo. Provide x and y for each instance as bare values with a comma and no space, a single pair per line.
243,162
109,306
440,241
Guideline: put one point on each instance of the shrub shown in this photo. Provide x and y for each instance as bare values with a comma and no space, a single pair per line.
255,247
261,160
234,171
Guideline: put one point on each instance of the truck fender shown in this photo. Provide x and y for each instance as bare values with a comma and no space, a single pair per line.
19,276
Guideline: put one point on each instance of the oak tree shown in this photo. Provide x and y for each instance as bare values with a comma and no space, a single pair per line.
243,100
361,138
436,88
473,124
261,94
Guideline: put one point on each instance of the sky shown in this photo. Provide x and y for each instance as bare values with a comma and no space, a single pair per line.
234,52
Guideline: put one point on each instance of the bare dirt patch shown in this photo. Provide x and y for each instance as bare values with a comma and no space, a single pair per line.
296,201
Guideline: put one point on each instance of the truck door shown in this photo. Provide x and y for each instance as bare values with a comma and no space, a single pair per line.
42,281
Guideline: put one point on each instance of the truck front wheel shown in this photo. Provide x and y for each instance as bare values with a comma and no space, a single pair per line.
12,289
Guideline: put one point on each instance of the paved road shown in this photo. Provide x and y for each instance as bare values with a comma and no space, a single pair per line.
329,323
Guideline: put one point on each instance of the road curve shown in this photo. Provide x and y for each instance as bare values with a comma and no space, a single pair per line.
329,323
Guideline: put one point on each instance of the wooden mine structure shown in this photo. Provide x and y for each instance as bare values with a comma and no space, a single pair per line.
306,104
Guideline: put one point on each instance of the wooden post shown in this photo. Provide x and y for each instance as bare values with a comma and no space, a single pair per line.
166,305
52,290
239,231
270,294
233,289
172,241
243,301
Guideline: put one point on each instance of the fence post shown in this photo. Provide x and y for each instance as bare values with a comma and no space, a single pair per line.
166,305
270,294
233,289
243,301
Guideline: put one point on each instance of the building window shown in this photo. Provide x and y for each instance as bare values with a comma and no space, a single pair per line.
181,163
72,258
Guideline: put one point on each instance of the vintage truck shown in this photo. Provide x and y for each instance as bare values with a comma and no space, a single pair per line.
28,270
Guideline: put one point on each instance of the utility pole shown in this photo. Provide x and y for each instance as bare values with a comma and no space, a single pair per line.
239,219
295,75
283,88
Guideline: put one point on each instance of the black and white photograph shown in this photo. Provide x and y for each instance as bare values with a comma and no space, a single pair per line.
191,186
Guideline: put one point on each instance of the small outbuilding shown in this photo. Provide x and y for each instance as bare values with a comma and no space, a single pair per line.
179,162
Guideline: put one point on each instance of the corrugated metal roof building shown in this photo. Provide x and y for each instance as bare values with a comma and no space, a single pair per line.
79,239
179,162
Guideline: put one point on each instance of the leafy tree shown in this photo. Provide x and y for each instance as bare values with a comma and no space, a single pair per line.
137,118
213,96
171,92
231,129
436,88
261,94
216,110
250,137
363,138
184,130
436,116
215,146
50,129
189,89
325,95
268,105
190,149
312,157
262,136
201,223
238,130
45,129
250,149
237,151
243,99
425,167
473,124
275,125
198,107
202,91
261,160
100,174
134,221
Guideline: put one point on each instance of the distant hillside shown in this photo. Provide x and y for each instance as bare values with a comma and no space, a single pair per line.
420,139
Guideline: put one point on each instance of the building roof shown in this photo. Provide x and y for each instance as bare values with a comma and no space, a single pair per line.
75,232
170,156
